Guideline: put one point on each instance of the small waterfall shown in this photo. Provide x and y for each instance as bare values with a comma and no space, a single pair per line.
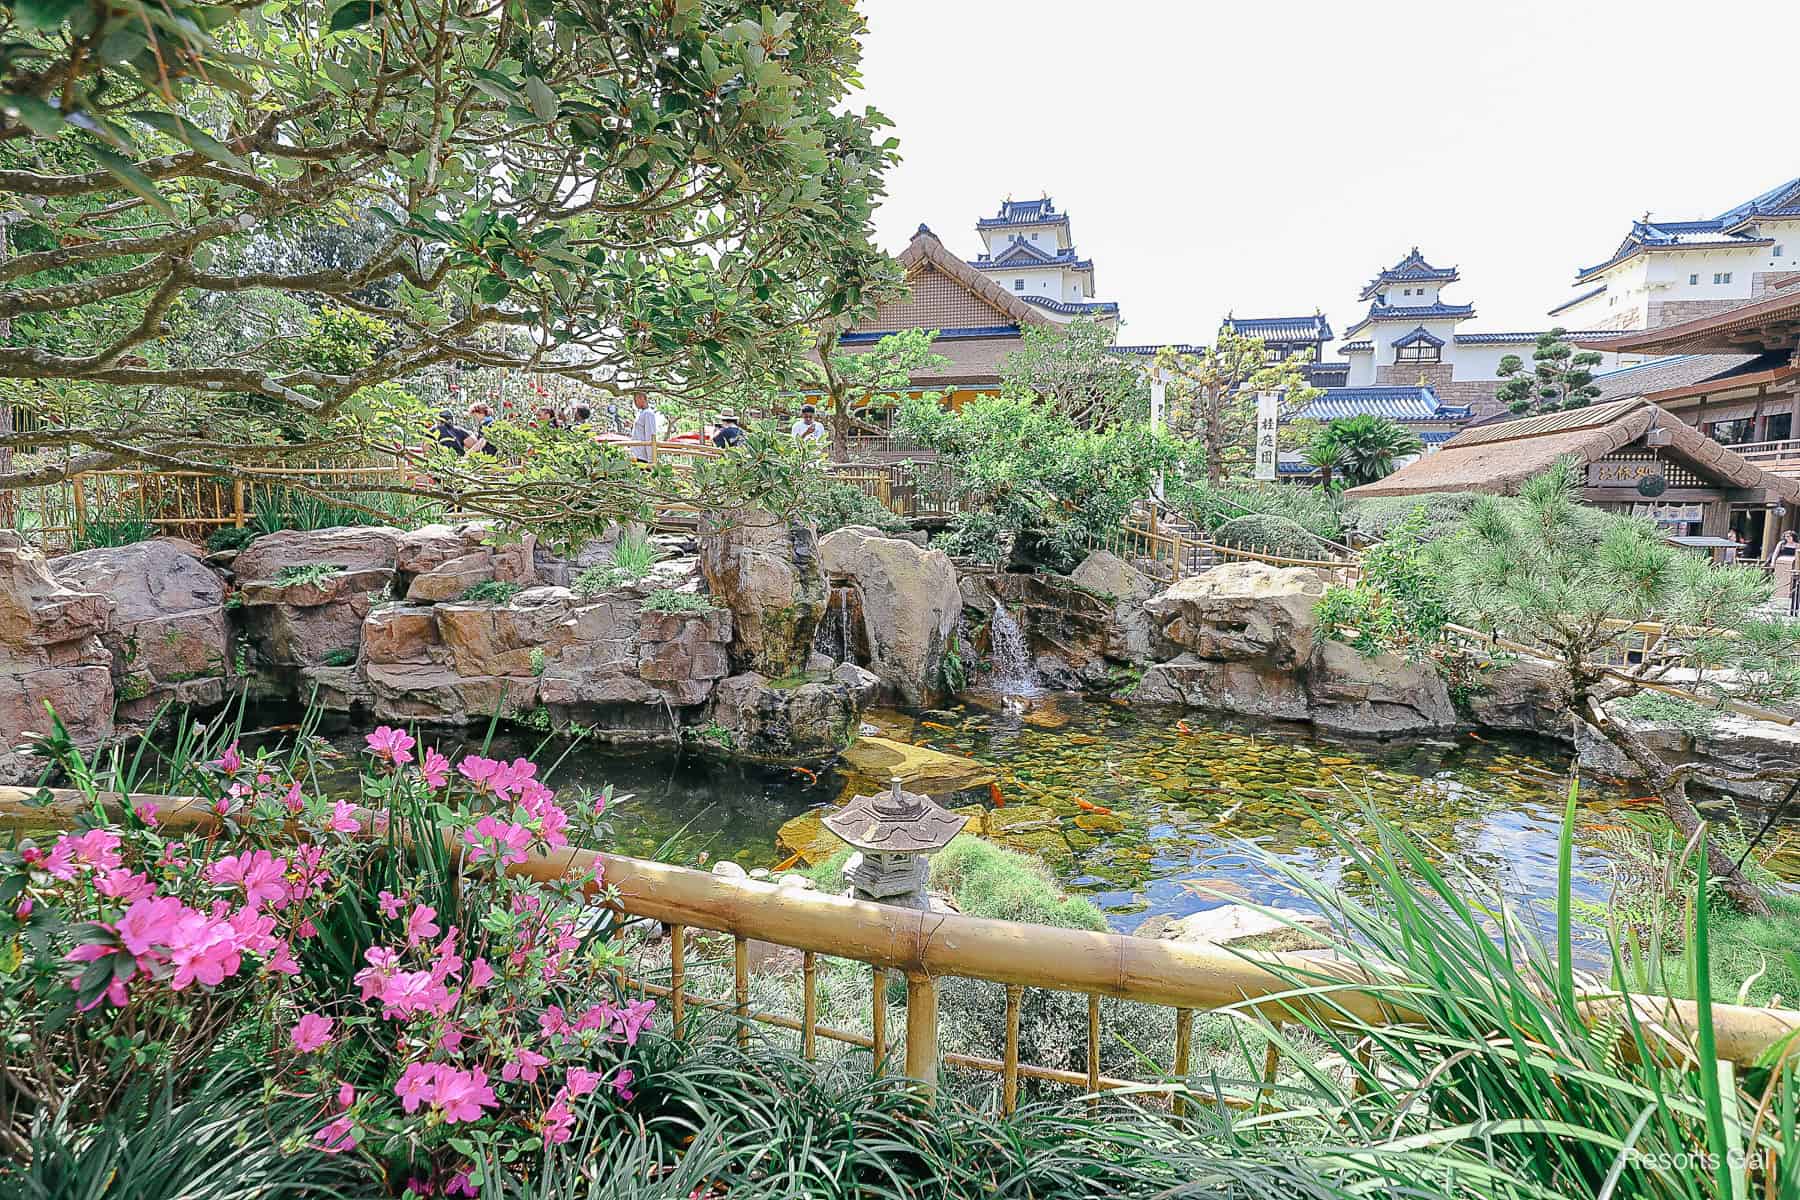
834,637
1013,674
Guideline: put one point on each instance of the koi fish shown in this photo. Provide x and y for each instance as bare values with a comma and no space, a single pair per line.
935,725
1089,806
995,796
1182,727
811,778
1477,736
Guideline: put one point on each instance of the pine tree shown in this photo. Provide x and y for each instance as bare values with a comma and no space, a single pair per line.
1560,377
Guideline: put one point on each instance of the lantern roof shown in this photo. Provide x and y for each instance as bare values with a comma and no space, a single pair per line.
895,822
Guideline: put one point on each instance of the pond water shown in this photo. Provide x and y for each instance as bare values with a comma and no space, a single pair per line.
1145,813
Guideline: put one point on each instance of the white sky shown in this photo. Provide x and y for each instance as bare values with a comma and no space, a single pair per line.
1270,157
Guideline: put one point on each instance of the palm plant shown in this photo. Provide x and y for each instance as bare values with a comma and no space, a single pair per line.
1323,455
1367,446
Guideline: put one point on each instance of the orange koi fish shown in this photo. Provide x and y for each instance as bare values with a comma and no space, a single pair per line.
1182,727
935,725
811,778
1089,806
995,796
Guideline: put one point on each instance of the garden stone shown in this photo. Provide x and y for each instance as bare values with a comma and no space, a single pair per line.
864,683
1525,696
1249,928
305,635
1350,693
337,689
396,633
498,639
910,603
352,548
769,576
1243,688
920,768
1133,635
168,625
778,722
1243,612
726,869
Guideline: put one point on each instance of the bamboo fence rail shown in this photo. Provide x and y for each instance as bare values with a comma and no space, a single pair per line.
925,947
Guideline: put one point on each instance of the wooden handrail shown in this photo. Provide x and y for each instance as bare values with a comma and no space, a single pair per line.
928,945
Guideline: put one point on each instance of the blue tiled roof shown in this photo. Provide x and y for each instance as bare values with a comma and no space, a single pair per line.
1419,336
1356,348
1437,437
1024,254
1671,235
1024,212
1574,300
1782,200
1406,404
972,331
1069,306
1517,339
1412,312
1151,349
1411,269
1282,329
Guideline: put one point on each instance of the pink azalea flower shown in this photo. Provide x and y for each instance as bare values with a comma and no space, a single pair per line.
346,1095
281,960
461,1095
149,923
204,949
23,911
124,886
389,904
310,1032
97,849
419,925
337,1137
229,762
306,930
343,818
633,1019
621,1084
460,1185
145,811
478,770
434,768
391,745
581,1081
559,1122
417,1085
480,974
524,1064
374,978
504,840
295,800
259,873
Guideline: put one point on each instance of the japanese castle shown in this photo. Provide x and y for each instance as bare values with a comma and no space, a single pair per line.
1029,253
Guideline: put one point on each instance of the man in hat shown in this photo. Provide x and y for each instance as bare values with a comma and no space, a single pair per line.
729,434
808,428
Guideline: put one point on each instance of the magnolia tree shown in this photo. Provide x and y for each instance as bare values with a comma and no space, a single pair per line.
1074,369
436,1013
1533,570
855,382
624,193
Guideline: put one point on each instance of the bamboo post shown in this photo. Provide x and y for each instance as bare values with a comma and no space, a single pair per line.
741,992
1184,1049
80,507
1271,1064
1093,1048
922,1029
878,1020
1009,1068
809,971
237,502
678,978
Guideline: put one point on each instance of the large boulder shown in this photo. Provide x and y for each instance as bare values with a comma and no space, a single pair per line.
921,768
305,594
350,548
784,720
1247,689
1377,696
168,634
50,652
1243,612
767,573
1133,635
909,602
1523,695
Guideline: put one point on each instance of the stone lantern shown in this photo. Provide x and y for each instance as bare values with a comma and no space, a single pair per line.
895,834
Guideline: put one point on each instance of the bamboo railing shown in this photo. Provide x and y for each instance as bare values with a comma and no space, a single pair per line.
925,947
1178,555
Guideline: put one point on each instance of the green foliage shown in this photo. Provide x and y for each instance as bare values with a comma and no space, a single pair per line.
673,600
231,537
987,880
1273,535
977,536
1314,509
491,591
953,673
113,527
1399,601
863,385
277,508
1660,708
316,572
343,656
1378,516
1211,396
1365,447
1073,370
132,687
633,555
839,504
1033,473
1559,378
537,660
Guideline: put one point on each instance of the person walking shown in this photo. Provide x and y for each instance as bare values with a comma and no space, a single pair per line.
729,434
645,428
1786,550
808,428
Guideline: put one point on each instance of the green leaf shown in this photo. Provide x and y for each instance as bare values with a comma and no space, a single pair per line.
127,173
494,288
190,134
34,114
353,13
543,100
45,14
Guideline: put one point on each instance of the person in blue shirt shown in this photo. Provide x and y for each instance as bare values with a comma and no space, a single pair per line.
729,434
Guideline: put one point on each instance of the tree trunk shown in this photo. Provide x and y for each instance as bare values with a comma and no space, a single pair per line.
1671,788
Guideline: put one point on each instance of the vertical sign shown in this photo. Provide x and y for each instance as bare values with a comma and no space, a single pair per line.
1267,417
1159,382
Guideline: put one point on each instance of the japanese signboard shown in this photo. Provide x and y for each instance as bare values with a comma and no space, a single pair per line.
1268,416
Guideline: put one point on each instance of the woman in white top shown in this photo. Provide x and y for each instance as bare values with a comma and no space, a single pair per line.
808,428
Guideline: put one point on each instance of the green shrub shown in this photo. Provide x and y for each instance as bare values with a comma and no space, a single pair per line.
307,572
1313,509
231,537
839,504
491,591
1379,516
978,536
114,527
1278,536
670,600
986,880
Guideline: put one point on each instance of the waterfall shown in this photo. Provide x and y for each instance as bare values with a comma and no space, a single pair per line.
1013,673
833,638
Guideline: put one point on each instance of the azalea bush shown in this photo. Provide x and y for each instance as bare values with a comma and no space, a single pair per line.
376,962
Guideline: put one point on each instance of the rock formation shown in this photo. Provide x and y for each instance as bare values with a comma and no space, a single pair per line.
908,601
50,653
767,573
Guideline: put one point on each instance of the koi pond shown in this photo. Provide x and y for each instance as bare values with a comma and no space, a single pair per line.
1144,813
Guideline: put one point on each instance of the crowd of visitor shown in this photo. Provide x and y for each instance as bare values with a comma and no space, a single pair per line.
474,435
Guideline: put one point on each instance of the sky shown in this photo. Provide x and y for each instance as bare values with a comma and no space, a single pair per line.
1268,159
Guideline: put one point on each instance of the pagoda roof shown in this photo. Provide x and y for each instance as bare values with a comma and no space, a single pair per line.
1024,254
1646,236
1411,269
1072,306
1516,337
927,250
1419,336
1412,312
1314,328
1572,301
1780,202
1403,404
1362,347
1024,212
1326,374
